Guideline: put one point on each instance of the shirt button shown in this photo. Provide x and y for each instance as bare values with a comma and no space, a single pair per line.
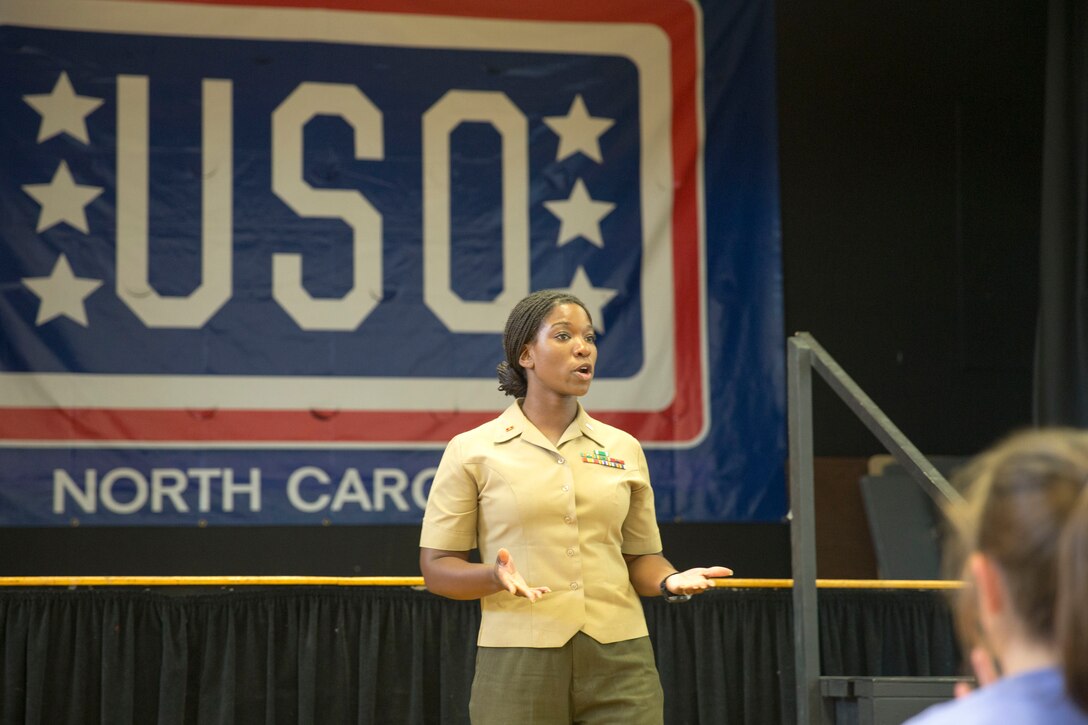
567,519
560,460
570,552
574,585
566,488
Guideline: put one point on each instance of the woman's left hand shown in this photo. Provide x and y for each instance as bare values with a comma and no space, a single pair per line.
697,580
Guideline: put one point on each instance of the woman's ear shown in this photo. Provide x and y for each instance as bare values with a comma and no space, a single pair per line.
990,584
526,358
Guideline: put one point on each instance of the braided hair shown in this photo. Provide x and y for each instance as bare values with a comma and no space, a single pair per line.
521,327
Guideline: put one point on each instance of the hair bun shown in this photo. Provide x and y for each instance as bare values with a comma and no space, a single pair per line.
511,380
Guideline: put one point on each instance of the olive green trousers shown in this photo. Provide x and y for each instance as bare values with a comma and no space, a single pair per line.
581,682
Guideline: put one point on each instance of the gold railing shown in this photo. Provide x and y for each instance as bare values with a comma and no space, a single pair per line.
407,581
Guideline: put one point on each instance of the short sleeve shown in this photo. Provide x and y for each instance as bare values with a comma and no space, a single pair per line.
449,521
640,532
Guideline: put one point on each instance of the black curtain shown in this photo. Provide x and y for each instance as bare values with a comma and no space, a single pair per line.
359,655
1061,356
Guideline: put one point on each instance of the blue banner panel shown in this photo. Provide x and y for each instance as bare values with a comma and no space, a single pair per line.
255,260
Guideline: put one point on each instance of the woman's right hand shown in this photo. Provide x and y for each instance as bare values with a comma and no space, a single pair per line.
510,580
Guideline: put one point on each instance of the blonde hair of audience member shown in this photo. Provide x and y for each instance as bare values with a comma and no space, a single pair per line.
1023,552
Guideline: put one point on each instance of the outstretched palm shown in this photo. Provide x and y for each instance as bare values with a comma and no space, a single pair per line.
511,579
697,580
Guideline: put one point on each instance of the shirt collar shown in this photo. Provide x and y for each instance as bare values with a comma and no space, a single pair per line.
510,424
513,423
586,426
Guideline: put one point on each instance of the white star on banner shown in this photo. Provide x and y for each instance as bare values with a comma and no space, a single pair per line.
594,298
61,293
62,200
578,131
580,215
62,111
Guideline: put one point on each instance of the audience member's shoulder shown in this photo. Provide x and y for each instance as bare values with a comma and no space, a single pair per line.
1035,698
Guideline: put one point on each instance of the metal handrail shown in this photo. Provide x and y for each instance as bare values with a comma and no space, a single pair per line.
804,355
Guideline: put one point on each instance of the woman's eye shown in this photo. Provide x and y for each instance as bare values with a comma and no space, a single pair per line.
562,336
591,339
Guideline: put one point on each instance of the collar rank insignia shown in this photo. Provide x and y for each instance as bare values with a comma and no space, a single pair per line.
601,458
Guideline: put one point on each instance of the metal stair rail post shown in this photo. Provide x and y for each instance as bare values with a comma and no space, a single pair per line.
804,355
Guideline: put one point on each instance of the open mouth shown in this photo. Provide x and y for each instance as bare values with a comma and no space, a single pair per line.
585,372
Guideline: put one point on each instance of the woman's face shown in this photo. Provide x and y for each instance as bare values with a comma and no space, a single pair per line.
561,358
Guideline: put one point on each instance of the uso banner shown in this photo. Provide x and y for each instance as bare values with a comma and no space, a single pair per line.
255,258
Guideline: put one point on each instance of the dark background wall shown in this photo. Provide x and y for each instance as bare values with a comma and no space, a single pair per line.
910,147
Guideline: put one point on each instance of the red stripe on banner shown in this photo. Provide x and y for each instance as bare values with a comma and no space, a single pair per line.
243,426
688,276
657,12
297,426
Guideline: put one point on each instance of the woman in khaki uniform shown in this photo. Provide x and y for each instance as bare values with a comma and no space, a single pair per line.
562,504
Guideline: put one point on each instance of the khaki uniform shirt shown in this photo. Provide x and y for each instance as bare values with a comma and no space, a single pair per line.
566,513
